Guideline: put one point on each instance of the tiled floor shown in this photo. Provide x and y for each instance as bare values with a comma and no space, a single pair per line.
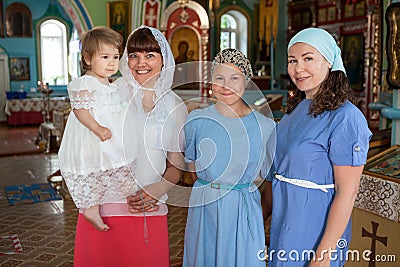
17,140
46,230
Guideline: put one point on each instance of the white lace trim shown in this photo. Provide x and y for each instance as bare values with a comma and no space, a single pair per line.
82,99
97,188
88,93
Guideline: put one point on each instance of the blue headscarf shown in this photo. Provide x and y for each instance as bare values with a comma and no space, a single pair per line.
324,42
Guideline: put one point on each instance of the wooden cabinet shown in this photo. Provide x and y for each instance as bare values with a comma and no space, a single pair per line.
263,82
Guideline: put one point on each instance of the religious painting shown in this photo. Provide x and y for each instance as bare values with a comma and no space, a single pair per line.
303,16
349,10
353,57
19,69
385,164
321,15
18,21
307,18
331,13
185,46
1,20
392,17
118,17
360,9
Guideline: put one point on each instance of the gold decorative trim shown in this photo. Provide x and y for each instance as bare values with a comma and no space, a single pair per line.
392,17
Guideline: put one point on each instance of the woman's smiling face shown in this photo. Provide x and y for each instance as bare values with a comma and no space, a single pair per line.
307,68
228,83
145,67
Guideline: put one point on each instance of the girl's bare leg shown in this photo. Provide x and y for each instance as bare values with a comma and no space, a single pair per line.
92,214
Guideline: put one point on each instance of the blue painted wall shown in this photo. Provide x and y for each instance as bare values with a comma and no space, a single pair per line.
26,46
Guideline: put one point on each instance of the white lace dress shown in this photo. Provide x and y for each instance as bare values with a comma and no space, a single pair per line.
98,172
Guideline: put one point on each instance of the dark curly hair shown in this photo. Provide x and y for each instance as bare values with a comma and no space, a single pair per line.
333,92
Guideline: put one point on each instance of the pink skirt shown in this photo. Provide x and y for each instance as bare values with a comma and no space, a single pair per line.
124,244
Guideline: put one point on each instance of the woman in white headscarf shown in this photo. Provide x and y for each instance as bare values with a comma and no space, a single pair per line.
322,145
139,230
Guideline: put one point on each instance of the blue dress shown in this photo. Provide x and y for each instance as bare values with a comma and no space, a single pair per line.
307,149
225,227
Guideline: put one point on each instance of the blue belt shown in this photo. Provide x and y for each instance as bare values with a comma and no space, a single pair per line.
236,187
225,186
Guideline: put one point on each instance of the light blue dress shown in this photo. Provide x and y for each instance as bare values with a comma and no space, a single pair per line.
225,227
307,149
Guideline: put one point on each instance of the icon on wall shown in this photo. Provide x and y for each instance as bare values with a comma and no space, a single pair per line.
353,57
19,69
117,17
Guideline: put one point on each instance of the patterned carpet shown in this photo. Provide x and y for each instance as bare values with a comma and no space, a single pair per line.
32,193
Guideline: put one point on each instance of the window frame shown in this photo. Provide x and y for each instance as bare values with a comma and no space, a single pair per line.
230,31
245,16
39,47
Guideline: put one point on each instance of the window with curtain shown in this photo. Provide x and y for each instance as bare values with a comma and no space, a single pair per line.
53,51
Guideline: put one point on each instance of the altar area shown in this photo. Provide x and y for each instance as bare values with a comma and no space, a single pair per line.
28,111
376,216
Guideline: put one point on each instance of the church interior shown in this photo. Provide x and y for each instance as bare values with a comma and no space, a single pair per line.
39,55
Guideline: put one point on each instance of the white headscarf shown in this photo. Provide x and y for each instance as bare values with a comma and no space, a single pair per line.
170,111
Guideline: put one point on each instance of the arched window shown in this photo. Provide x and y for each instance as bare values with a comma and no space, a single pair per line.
229,32
234,31
74,57
53,52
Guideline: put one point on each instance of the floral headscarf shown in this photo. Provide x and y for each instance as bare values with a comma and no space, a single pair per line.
231,55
